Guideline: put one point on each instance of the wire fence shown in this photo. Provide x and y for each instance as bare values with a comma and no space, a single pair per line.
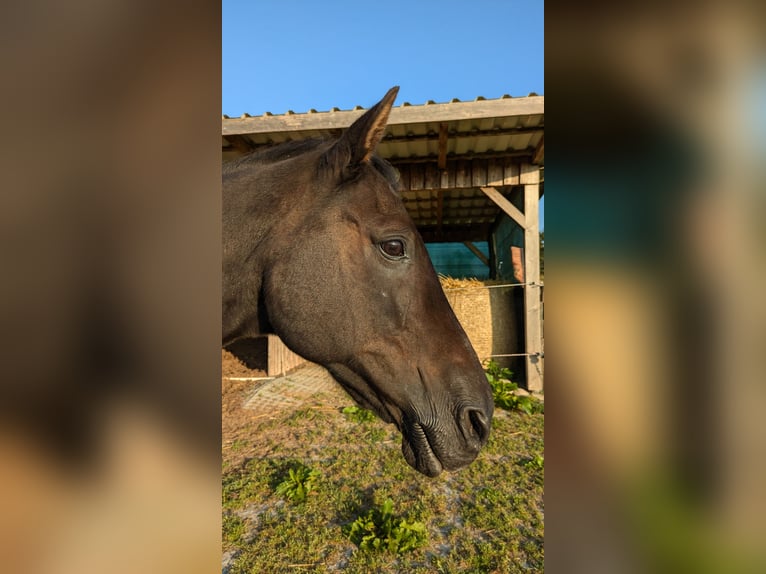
530,284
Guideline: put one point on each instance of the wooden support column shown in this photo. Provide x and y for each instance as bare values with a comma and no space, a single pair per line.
529,221
533,324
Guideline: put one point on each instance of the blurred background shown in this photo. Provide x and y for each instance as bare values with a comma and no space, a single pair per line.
110,298
655,316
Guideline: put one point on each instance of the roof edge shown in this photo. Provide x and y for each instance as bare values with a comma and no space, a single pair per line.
403,114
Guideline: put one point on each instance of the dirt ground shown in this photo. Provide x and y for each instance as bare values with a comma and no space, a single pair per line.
234,418
237,422
240,439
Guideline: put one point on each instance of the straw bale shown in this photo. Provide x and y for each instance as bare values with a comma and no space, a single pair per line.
487,315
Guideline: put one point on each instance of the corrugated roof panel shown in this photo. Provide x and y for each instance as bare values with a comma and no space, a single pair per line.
461,146
486,124
524,140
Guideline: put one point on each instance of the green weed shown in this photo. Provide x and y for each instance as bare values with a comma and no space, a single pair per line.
536,461
380,530
503,391
300,481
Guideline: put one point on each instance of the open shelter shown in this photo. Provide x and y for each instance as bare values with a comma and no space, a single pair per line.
470,172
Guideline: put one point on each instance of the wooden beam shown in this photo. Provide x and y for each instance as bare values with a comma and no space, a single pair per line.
475,251
512,211
539,156
443,135
453,111
533,324
455,135
517,156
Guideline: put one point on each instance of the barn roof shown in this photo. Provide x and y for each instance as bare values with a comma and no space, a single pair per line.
456,139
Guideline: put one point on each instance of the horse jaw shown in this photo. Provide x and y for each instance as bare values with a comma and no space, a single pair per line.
361,391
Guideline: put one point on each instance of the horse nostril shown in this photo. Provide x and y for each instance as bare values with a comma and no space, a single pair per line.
479,424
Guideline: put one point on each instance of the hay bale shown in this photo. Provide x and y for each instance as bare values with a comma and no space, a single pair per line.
452,283
487,315
471,303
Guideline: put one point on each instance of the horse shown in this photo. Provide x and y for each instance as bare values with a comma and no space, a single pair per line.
319,249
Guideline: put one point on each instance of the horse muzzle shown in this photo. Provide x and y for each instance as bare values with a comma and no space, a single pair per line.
429,449
436,436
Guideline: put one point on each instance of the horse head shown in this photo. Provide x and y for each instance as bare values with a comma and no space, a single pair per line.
349,285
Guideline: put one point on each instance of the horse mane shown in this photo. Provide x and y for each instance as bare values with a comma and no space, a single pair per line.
386,170
277,152
291,149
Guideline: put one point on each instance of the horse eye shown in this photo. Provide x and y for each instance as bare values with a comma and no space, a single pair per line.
393,248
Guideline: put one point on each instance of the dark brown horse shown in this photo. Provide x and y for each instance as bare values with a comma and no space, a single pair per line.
319,249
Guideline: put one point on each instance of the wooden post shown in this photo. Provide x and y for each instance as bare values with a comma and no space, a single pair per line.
533,315
529,221
280,358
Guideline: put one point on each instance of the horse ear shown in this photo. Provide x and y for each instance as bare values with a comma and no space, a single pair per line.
358,142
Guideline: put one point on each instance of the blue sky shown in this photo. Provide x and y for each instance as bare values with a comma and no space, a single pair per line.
281,55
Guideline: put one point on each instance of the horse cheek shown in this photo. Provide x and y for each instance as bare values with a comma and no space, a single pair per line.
301,304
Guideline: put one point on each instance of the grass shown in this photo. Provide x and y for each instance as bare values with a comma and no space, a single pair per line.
358,414
487,517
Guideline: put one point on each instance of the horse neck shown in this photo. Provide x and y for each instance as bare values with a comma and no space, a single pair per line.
258,210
